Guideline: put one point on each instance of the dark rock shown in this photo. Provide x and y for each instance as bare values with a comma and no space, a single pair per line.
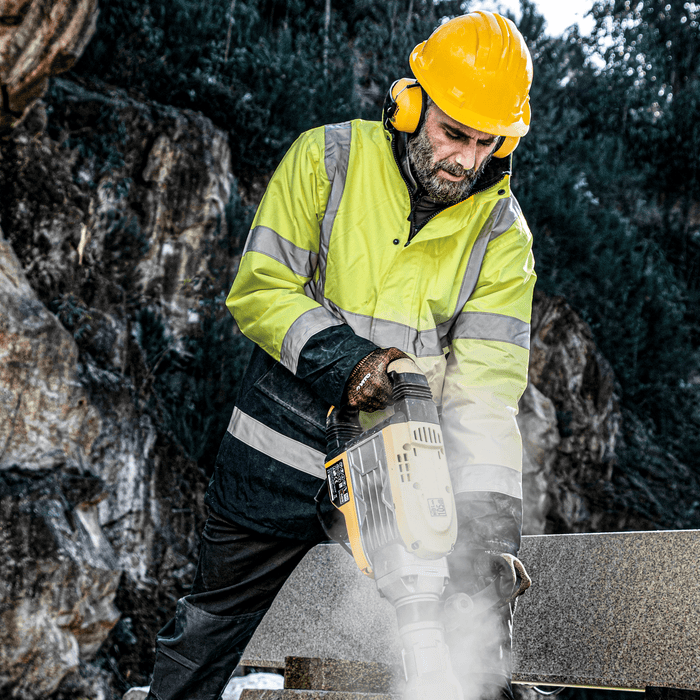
567,368
38,39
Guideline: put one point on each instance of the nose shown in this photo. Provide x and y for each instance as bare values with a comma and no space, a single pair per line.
466,157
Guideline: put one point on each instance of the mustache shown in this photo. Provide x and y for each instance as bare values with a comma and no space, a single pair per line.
453,169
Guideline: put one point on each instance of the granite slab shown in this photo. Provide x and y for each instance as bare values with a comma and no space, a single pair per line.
617,610
301,673
253,694
608,610
327,609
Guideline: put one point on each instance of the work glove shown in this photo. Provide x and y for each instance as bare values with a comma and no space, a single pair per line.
506,571
369,388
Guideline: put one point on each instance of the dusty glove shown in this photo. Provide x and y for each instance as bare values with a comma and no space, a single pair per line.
369,388
508,572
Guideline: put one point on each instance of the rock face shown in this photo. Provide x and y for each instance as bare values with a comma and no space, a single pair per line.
59,578
570,421
46,417
111,242
120,230
38,39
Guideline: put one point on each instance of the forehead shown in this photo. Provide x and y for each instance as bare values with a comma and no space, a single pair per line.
438,117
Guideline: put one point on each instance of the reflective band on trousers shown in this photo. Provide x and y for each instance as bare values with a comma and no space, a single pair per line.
280,447
487,477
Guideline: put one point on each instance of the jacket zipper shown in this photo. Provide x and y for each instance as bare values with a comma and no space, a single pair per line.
408,189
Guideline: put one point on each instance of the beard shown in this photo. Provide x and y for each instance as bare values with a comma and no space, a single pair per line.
420,155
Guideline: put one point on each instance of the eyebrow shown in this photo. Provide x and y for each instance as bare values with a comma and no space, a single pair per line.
491,139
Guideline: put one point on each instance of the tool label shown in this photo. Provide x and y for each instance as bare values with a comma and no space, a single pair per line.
337,484
437,508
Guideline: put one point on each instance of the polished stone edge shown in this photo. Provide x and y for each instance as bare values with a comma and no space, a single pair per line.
660,693
599,683
256,662
284,694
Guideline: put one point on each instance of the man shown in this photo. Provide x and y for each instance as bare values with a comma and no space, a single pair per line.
373,241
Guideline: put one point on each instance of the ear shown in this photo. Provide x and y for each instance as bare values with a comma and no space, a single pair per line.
404,106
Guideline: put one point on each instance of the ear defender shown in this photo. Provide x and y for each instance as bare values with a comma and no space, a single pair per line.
404,106
508,145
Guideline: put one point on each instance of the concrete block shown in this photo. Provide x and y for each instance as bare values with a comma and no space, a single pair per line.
609,610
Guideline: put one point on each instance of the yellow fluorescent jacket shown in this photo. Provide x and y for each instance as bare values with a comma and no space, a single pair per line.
322,252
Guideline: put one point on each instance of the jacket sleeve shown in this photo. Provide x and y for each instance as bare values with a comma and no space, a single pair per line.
487,369
268,298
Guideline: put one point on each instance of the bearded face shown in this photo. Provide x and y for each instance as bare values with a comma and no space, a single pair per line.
441,136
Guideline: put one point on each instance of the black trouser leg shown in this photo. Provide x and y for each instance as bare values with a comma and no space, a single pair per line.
238,576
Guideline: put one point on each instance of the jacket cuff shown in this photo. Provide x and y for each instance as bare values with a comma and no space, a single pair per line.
328,358
489,521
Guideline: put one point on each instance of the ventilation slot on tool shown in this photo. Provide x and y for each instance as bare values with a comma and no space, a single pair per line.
427,436
404,467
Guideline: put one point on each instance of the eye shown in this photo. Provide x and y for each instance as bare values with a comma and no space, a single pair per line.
454,136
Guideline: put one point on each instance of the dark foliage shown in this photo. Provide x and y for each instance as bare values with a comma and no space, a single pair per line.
611,194
608,175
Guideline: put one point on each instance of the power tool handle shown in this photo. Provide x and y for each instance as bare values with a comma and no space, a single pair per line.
404,365
342,424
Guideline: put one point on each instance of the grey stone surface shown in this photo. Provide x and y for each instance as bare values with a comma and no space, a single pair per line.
312,695
609,610
615,610
302,673
326,609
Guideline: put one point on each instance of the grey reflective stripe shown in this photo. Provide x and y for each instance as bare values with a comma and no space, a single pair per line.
501,218
308,324
390,333
273,444
487,477
509,211
268,242
336,159
486,326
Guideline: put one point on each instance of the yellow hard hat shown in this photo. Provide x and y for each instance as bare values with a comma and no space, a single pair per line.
478,70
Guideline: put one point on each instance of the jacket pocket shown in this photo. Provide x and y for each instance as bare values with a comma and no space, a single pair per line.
295,397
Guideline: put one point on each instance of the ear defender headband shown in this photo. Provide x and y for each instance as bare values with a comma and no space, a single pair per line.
405,107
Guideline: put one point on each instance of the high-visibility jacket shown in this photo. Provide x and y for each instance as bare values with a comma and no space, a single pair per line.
327,275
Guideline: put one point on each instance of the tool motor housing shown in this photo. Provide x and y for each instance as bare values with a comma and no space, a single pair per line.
392,483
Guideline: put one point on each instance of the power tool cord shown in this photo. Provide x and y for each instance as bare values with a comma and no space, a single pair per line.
547,693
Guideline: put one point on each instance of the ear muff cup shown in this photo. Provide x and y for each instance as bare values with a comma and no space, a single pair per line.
510,143
405,105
